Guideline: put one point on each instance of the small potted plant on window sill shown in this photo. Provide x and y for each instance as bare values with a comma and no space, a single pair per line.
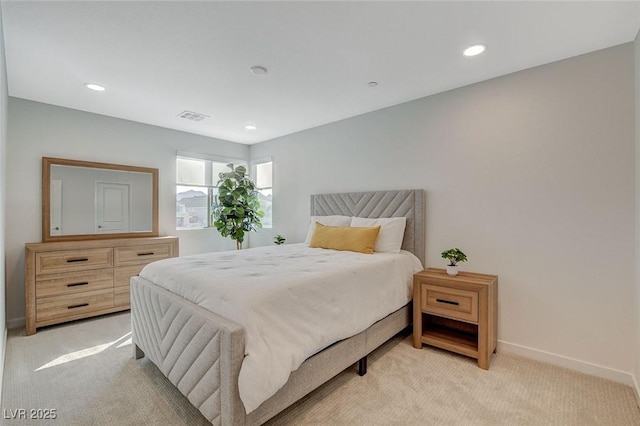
454,256
278,239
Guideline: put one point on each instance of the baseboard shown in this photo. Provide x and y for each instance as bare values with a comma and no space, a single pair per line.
16,323
636,390
571,363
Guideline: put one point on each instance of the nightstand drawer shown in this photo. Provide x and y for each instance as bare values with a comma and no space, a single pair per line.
450,302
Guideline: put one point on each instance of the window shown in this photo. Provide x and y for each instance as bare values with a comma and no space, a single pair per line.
196,180
262,171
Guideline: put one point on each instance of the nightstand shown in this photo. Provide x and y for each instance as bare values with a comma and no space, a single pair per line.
457,313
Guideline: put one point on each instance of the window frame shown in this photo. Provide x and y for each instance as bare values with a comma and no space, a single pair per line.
210,188
254,175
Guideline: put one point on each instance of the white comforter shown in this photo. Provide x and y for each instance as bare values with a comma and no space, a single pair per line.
292,301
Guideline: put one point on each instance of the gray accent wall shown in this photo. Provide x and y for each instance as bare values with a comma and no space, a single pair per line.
530,174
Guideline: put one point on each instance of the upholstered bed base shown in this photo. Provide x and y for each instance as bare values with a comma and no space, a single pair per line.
201,353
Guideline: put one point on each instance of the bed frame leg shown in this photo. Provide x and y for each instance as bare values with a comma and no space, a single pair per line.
137,352
362,366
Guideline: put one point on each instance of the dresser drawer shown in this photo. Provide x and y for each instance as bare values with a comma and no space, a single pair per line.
450,302
122,296
57,307
73,282
141,255
73,260
123,274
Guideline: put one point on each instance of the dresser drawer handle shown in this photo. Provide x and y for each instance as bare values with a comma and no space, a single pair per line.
79,259
447,301
80,305
77,284
149,253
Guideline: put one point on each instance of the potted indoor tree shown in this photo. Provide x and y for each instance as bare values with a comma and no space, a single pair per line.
236,208
454,256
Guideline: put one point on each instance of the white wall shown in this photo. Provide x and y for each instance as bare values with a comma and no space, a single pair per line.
3,174
39,130
530,174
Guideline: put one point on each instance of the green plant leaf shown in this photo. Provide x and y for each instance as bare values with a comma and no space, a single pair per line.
236,208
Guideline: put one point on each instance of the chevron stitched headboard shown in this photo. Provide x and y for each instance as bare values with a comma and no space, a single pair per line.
407,203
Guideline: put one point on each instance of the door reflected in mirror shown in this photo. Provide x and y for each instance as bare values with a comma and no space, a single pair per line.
84,200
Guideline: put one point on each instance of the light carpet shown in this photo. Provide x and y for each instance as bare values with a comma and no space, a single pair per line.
86,372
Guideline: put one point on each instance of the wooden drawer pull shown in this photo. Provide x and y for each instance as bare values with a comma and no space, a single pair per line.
79,259
448,302
80,305
77,284
149,253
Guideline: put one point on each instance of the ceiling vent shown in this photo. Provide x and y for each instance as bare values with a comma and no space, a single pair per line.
193,116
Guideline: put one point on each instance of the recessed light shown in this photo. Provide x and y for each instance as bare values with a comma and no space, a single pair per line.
474,50
372,83
96,87
250,127
258,70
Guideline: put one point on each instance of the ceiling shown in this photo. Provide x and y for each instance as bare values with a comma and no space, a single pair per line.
158,59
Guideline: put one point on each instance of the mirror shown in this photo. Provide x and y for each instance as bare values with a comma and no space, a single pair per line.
86,200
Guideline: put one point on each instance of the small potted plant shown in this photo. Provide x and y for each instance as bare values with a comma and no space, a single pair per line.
279,239
454,256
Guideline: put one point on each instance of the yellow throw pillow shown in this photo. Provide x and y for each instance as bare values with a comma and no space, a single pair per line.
361,240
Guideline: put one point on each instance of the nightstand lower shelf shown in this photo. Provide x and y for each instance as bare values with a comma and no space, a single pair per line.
451,335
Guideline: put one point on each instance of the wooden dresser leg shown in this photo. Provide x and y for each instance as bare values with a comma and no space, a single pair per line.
30,329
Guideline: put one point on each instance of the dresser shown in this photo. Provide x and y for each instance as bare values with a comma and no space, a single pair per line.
66,281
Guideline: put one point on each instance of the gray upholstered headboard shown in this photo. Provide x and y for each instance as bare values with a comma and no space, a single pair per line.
407,203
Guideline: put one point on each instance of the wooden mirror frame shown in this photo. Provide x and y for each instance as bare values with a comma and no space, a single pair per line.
47,162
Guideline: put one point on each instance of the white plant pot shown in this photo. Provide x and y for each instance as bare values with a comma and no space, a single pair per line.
452,270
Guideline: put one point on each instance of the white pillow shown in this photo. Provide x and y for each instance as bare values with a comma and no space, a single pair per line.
391,232
334,220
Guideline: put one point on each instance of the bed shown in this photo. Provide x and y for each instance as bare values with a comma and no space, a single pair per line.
202,352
